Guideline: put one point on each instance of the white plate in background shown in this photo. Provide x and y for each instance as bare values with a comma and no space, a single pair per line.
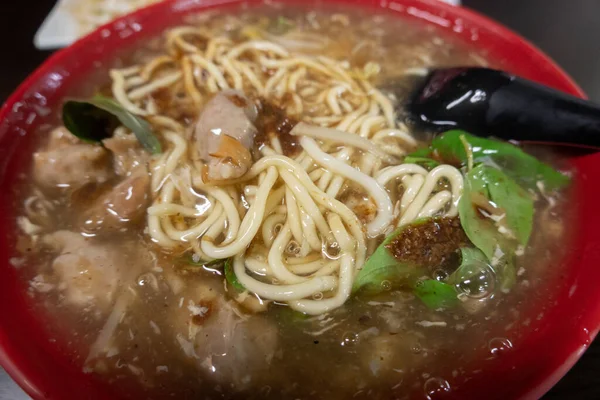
70,19
59,29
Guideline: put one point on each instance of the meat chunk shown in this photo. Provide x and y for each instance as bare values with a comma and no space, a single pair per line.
60,137
88,273
128,154
222,344
123,206
236,351
224,133
68,162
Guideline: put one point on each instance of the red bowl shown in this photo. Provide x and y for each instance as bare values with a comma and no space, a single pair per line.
43,368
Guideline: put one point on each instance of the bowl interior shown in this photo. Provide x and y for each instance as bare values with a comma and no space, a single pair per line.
44,368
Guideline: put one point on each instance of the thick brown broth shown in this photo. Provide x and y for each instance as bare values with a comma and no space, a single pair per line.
377,347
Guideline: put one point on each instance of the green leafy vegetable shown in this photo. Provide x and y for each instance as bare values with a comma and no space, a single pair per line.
288,316
517,164
515,204
508,195
382,267
231,278
88,122
481,231
382,271
421,157
496,215
436,294
95,119
497,241
470,255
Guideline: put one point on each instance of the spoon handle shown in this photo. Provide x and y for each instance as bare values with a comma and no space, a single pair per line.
487,102
524,110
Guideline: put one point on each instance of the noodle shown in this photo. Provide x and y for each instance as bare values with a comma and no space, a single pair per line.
282,218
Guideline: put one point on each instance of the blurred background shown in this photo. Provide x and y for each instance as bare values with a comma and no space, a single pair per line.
568,31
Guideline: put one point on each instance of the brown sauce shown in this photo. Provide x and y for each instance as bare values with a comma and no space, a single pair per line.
272,121
432,243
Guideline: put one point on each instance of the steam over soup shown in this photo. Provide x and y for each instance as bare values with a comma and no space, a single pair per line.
239,210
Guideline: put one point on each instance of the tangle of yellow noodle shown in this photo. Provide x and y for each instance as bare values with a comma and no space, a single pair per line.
286,224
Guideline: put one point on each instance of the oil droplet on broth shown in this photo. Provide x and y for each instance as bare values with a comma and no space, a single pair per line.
440,275
349,339
436,388
386,285
416,348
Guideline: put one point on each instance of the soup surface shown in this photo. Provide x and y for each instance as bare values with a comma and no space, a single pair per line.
242,211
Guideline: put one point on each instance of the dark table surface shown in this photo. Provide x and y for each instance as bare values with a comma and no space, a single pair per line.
568,30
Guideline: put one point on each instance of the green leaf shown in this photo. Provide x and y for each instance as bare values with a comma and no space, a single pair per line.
425,161
382,270
231,278
421,156
95,119
502,191
382,267
517,203
517,206
288,316
481,231
471,255
88,122
436,294
424,152
517,164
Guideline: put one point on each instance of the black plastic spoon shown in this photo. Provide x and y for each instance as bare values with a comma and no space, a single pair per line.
487,102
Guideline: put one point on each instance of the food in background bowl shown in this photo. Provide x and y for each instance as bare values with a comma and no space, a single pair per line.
237,208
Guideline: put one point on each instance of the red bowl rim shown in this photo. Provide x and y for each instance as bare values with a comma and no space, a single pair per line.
29,384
